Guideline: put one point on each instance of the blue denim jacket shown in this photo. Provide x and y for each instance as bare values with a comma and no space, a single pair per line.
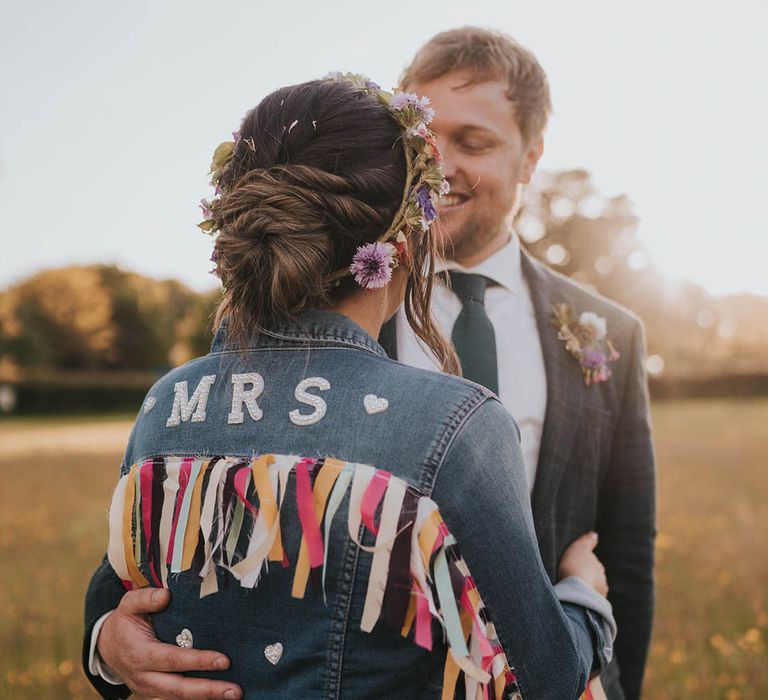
320,387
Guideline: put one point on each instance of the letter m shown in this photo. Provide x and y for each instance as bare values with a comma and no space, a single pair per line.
184,407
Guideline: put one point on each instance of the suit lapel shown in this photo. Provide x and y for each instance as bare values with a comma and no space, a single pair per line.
565,393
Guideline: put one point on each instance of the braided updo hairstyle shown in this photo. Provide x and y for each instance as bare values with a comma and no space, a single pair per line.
318,171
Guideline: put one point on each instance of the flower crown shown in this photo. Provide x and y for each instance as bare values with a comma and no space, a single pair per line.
373,263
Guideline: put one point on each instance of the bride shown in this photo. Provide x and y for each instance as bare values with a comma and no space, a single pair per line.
332,523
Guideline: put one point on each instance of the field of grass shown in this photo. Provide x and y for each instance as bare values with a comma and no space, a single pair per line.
711,627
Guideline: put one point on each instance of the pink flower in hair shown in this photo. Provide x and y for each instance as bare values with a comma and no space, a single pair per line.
421,130
372,265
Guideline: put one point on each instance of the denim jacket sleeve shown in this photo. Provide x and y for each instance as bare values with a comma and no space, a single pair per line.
482,493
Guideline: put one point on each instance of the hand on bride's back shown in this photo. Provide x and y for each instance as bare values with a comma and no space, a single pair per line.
579,560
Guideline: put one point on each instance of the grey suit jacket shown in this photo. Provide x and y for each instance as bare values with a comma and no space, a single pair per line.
596,465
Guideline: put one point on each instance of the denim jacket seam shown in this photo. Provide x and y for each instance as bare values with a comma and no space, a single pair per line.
444,440
344,338
314,341
328,345
340,622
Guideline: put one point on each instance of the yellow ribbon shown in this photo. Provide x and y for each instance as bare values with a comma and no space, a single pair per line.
130,559
324,482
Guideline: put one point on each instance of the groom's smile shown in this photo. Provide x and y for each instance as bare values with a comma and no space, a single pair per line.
485,159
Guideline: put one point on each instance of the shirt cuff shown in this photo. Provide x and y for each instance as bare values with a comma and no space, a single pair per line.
97,665
576,591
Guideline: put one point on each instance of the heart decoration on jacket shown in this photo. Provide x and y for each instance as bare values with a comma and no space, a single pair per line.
375,404
274,653
184,639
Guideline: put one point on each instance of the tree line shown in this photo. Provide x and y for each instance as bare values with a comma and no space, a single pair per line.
101,317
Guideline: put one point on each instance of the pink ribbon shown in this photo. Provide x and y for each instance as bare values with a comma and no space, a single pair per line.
309,523
186,468
145,485
241,487
423,622
372,497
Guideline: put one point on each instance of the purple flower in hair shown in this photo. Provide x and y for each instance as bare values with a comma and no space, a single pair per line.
372,265
215,260
205,205
407,99
371,85
401,100
424,198
427,113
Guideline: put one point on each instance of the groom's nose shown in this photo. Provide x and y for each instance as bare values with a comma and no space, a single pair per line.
450,161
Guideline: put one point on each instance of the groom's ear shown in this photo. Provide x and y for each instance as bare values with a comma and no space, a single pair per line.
532,155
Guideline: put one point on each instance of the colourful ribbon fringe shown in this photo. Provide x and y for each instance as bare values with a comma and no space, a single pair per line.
179,514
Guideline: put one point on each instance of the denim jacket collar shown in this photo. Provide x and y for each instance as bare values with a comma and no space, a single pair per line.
324,327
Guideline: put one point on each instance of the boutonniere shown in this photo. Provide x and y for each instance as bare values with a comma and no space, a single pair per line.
586,339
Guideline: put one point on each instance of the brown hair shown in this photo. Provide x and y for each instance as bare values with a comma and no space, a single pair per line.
318,171
488,55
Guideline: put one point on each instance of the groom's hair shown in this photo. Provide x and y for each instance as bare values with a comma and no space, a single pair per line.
486,54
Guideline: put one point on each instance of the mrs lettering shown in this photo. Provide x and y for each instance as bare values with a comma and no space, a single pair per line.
246,390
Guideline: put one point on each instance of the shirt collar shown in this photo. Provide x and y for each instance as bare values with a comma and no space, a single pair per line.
503,267
324,327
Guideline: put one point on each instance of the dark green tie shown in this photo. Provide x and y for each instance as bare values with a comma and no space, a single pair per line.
473,335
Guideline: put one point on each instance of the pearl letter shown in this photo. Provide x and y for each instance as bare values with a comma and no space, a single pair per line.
183,407
310,399
241,395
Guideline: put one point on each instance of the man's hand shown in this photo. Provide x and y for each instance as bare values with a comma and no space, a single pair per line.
150,668
580,560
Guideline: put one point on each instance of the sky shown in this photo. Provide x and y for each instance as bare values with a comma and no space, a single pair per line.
110,113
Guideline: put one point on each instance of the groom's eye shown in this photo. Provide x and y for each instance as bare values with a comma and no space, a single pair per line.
475,145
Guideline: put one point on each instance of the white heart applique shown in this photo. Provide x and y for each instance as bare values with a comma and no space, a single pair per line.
149,404
274,653
184,639
375,404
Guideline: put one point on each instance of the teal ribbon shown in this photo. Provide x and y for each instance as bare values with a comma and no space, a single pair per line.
234,530
181,525
448,603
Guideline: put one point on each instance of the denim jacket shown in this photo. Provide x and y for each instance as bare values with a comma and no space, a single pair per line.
333,608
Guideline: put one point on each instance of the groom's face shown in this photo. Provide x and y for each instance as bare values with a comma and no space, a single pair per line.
485,160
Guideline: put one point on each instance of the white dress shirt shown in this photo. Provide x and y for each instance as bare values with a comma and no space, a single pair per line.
522,378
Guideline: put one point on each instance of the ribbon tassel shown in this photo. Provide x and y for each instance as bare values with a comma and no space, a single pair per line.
209,516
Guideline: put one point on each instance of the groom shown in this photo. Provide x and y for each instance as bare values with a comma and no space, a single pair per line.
584,422
587,448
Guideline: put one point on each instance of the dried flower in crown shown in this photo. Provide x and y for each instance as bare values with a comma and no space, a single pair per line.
586,339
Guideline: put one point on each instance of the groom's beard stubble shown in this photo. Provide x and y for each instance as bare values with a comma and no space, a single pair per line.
460,241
